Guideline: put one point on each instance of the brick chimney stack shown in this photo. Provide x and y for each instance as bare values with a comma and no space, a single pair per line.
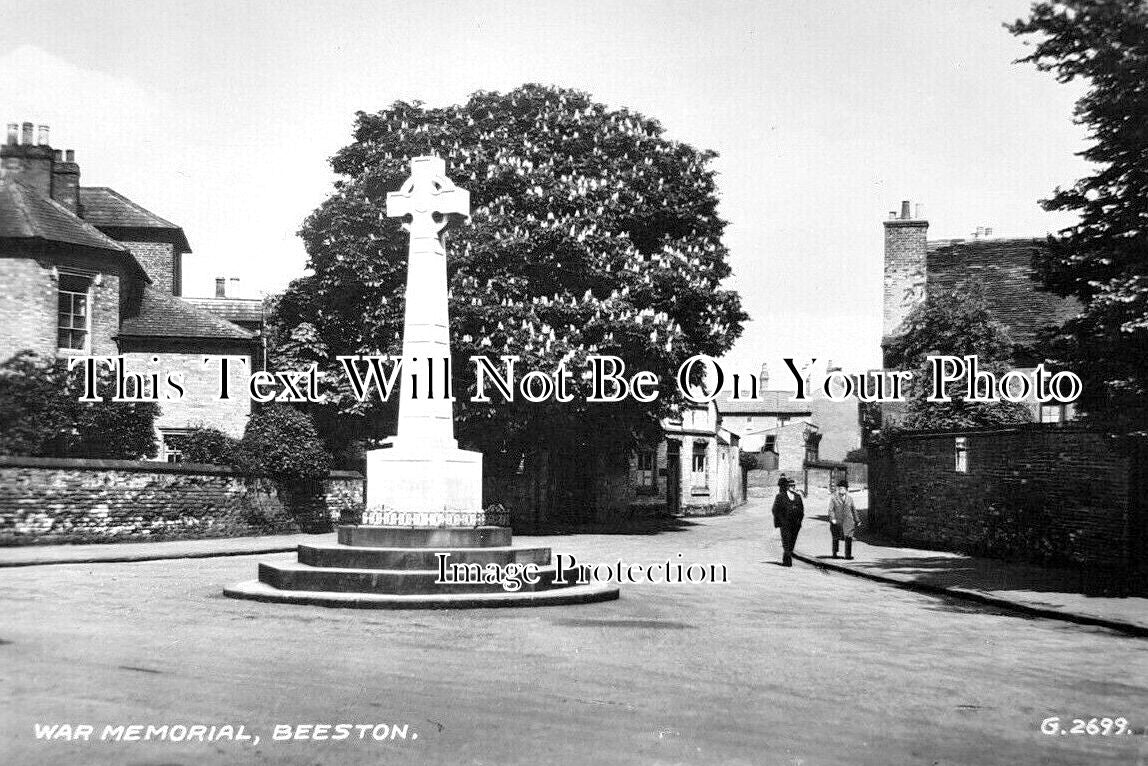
906,243
66,181
39,166
27,162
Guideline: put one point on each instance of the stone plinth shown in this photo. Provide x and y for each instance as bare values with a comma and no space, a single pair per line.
397,568
426,486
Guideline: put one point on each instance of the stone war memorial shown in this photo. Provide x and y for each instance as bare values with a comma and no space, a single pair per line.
424,494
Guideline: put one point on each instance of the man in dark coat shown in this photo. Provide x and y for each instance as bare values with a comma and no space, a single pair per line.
788,511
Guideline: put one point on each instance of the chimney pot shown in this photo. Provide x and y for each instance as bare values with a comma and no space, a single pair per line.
26,130
220,287
892,215
905,210
13,133
57,155
70,155
919,211
42,135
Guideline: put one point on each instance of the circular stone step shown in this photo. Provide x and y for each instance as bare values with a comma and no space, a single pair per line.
255,590
442,538
359,557
296,576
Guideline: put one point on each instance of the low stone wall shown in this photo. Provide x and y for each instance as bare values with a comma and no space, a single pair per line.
1062,496
705,509
52,500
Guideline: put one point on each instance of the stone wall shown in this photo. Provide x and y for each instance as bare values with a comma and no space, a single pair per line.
53,500
1053,495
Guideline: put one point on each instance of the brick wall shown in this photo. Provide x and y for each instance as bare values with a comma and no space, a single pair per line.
158,260
200,405
51,500
1051,495
29,300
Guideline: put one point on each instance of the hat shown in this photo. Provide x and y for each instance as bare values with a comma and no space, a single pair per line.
784,481
842,483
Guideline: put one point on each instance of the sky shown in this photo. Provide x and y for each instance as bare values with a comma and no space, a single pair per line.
221,116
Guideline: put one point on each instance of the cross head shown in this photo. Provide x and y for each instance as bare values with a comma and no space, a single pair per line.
429,198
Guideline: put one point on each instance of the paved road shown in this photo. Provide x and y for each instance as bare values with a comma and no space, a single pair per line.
779,666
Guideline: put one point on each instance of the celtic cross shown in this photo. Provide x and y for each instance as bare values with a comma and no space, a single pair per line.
429,198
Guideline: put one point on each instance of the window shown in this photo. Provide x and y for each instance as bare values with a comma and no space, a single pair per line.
699,473
1053,413
647,470
770,444
782,420
812,447
961,455
171,446
73,324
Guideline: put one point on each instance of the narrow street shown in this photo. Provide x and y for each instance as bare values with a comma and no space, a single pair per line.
777,666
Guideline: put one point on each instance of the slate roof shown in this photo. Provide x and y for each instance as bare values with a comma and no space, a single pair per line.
232,309
766,403
107,208
26,214
1004,268
164,316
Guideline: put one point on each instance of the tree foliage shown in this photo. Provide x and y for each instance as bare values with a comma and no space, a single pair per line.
1103,259
591,232
279,440
282,441
211,446
41,415
957,323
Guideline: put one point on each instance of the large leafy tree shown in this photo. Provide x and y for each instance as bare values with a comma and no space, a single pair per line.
591,233
1103,259
955,323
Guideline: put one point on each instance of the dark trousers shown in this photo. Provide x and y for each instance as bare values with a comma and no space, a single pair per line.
835,531
788,540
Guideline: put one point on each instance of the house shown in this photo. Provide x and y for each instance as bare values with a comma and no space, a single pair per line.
694,471
789,434
916,267
87,271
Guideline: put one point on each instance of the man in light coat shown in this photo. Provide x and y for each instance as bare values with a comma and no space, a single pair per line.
843,518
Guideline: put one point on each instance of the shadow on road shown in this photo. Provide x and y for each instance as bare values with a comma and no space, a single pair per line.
642,526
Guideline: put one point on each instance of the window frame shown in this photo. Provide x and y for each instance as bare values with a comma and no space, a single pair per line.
700,451
961,454
89,301
646,479
166,450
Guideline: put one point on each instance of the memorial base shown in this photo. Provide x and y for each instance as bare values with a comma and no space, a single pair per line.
383,567
417,485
